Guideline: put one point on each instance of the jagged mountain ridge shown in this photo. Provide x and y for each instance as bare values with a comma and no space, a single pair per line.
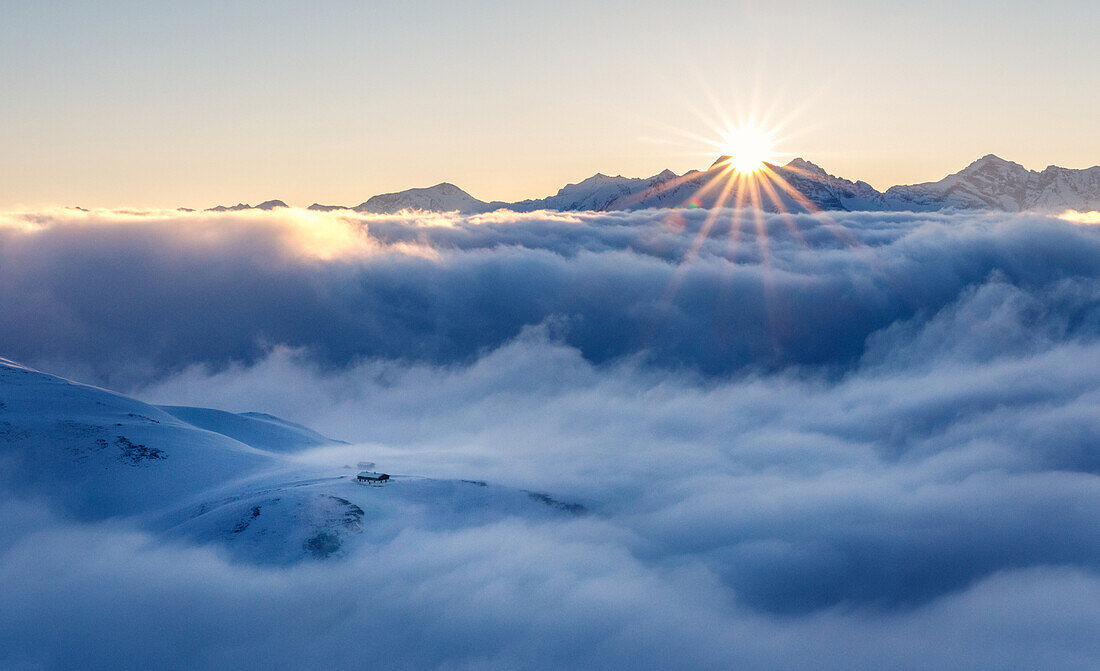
996,184
266,205
990,183
817,189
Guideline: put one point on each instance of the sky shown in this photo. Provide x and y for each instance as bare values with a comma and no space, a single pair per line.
119,103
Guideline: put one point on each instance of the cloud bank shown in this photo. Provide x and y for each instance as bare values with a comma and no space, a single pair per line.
128,297
856,442
505,596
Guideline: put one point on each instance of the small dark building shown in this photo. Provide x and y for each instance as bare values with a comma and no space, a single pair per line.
370,477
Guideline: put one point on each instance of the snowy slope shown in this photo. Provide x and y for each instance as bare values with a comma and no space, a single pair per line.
94,453
828,192
599,192
266,205
996,184
209,476
439,198
818,190
306,514
988,183
252,428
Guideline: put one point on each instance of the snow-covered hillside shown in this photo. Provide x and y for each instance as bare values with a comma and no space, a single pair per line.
988,183
211,476
252,428
266,205
439,198
817,190
996,184
598,193
95,454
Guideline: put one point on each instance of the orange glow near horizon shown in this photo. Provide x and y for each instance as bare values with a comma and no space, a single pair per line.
1073,216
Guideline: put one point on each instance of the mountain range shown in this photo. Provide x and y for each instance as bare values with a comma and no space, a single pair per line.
990,183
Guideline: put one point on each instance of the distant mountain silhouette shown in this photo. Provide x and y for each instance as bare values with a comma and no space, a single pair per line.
990,183
993,183
266,205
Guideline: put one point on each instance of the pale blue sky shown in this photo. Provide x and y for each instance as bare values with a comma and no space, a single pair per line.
140,103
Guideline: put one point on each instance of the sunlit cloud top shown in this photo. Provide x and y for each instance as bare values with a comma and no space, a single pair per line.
1080,217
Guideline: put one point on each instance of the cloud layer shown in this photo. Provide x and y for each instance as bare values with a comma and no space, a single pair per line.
505,596
861,441
127,297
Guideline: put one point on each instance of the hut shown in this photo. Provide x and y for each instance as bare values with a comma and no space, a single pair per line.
370,477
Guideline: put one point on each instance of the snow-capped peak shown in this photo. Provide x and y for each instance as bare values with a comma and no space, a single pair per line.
803,165
993,183
990,182
443,197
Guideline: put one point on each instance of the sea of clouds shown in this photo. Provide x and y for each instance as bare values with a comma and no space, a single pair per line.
843,441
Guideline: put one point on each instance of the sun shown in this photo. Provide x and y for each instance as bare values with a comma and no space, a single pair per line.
748,148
